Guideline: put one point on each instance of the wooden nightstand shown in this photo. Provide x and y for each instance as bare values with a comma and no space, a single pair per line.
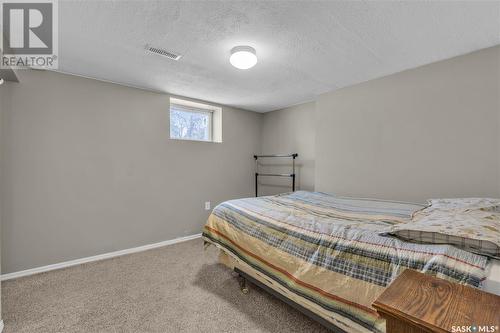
416,303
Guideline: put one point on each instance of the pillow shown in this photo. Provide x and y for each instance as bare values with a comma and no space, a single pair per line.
470,224
464,204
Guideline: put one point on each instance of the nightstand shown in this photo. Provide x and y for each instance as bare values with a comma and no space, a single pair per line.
417,303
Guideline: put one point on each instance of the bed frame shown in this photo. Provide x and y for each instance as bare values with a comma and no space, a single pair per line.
244,289
226,259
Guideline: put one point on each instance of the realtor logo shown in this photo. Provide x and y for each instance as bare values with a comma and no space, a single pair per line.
29,33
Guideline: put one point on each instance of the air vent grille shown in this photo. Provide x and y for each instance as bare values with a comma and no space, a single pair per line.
163,53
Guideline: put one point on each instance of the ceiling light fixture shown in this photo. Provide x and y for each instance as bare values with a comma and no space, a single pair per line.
243,57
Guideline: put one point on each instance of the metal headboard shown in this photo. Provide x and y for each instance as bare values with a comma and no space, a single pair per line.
257,174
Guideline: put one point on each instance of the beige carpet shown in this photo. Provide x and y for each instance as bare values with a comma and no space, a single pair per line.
177,288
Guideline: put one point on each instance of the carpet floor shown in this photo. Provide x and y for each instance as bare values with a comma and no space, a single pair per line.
177,288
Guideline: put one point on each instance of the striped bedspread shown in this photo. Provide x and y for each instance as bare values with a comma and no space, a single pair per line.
328,250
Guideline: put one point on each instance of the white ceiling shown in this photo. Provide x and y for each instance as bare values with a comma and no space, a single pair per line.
304,48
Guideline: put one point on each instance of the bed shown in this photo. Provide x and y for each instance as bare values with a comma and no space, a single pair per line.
328,255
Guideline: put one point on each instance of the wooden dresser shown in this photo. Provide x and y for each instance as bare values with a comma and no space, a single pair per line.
416,303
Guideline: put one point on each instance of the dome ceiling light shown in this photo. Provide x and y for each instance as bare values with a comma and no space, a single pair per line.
243,57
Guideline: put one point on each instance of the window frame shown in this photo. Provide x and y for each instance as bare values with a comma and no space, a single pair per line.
195,107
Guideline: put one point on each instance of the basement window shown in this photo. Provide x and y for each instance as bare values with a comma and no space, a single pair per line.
195,121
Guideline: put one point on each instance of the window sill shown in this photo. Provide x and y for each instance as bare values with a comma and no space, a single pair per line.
194,140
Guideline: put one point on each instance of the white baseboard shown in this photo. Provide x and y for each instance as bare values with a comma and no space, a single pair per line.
75,262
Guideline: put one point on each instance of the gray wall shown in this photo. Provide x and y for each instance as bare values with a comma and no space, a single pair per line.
2,102
286,131
427,132
498,101
88,168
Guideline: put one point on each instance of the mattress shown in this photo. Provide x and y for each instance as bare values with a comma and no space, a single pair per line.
326,252
492,282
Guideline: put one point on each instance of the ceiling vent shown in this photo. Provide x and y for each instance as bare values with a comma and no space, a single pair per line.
163,53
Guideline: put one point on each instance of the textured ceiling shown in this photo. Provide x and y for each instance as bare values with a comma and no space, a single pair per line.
304,48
